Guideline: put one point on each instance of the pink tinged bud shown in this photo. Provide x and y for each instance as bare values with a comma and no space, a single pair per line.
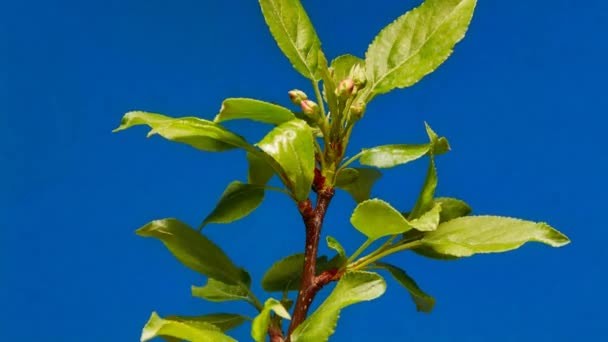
309,108
345,88
297,96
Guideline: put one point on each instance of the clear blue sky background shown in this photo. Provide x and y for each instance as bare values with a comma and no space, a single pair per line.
522,100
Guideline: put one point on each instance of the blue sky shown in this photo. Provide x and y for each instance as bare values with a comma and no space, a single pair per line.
522,101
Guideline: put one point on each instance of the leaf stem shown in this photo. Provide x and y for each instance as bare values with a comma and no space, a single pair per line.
319,98
359,250
361,263
348,162
253,300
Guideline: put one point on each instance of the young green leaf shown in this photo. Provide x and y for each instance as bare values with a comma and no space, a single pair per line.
470,235
452,208
182,330
340,259
428,221
291,146
388,156
286,274
224,321
259,171
336,246
217,291
416,43
425,201
260,323
352,288
423,301
342,65
198,133
376,218
193,250
252,109
237,201
358,182
295,35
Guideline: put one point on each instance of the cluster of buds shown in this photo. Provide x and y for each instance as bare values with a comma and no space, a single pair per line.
350,85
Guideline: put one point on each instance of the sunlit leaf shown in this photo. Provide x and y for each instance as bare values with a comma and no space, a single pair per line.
183,330
387,156
224,321
376,218
291,146
252,109
259,327
216,291
198,133
416,43
295,35
470,235
352,288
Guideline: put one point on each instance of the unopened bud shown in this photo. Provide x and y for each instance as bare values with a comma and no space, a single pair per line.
345,88
357,73
358,109
297,96
310,108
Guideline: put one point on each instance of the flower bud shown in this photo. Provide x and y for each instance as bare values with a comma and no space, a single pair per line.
358,109
310,108
345,88
357,73
297,96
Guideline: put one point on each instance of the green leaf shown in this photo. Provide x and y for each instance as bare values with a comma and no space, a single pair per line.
260,323
342,65
259,171
291,146
353,287
216,291
295,35
428,221
358,182
452,208
376,218
469,235
193,250
198,133
340,259
423,301
237,201
224,321
336,246
256,110
425,201
286,274
183,330
416,43
387,156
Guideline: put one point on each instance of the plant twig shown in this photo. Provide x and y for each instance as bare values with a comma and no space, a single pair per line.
311,284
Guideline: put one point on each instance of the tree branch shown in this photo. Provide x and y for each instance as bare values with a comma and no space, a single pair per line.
311,284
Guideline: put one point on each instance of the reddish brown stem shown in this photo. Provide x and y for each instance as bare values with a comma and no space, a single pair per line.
275,333
311,284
